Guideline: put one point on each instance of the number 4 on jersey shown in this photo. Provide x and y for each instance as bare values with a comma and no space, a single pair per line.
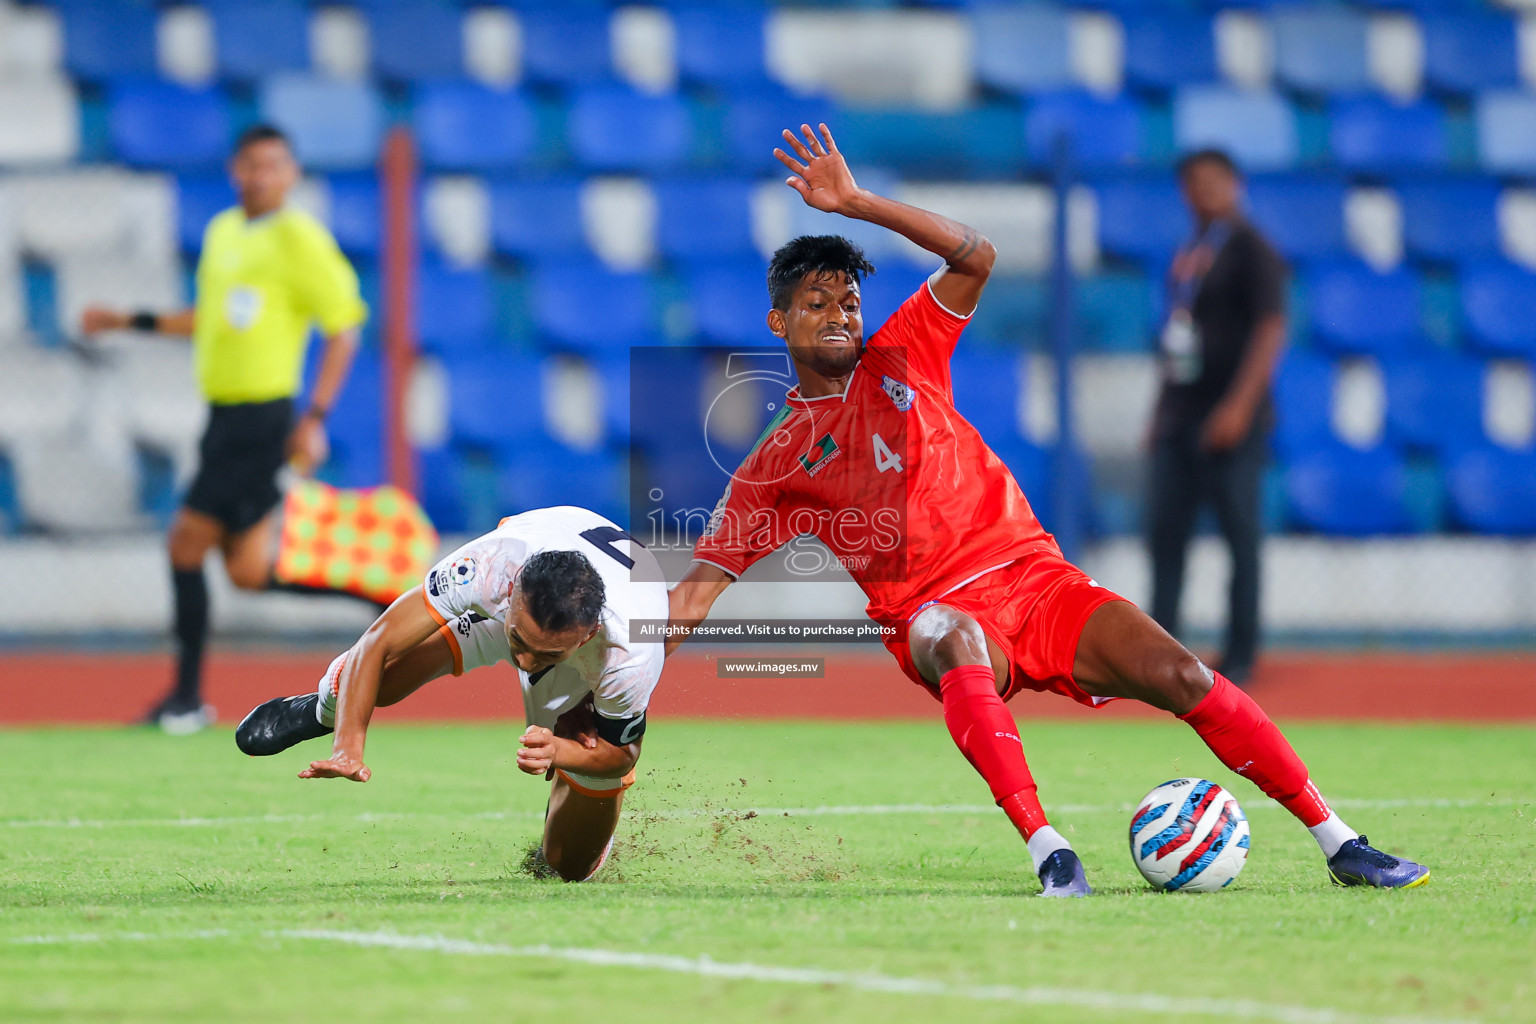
885,458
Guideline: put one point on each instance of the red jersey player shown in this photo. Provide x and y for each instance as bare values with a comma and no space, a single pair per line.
869,454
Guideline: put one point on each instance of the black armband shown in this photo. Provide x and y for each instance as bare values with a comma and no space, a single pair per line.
620,732
144,320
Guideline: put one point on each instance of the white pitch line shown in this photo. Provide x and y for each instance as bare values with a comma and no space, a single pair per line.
849,810
883,984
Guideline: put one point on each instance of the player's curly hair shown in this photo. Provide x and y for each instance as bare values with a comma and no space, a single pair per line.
813,254
562,591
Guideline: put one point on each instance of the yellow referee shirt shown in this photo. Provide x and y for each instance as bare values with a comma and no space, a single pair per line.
260,285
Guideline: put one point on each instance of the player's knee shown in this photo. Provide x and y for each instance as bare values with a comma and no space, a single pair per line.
248,576
942,638
1180,680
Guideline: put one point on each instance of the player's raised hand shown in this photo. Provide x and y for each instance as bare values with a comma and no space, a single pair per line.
537,754
823,179
338,766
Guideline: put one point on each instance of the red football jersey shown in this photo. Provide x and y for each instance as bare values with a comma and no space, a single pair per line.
888,475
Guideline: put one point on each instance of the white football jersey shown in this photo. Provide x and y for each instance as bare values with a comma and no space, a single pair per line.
469,593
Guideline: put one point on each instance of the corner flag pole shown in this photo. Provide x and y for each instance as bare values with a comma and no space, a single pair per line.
397,175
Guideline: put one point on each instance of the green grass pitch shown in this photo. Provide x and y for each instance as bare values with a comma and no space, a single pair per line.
888,892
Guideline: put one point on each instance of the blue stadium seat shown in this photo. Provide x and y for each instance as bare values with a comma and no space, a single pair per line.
689,482
1497,299
1302,215
1494,491
1375,134
495,398
1434,401
356,425
613,375
333,124
707,218
1356,309
108,39
756,116
1506,131
440,488
541,472
1112,312
1321,50
1346,492
160,124
1142,218
565,44
1023,49
984,141
719,44
883,293
1103,132
1165,50
1303,404
537,218
453,308
256,38
730,301
356,220
416,40
584,306
1257,128
470,127
614,128
1451,219
986,388
1467,51
663,402
199,197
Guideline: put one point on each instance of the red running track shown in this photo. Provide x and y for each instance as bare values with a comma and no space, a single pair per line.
49,687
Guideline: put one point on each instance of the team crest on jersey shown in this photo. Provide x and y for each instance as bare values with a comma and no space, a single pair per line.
718,515
821,453
899,393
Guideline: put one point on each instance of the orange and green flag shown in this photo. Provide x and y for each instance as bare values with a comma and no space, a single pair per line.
375,543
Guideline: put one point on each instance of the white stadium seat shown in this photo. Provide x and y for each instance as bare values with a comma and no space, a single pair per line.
31,41
124,282
184,44
618,216
41,393
39,121
493,46
909,58
458,218
65,484
644,42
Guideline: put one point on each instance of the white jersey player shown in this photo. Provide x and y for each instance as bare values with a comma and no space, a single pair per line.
553,592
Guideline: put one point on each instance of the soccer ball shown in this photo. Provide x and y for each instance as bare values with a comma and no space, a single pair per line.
1189,835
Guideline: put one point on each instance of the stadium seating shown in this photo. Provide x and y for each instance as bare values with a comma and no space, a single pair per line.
256,38
1167,49
755,117
104,40
415,40
1141,218
1465,51
986,388
453,308
494,399
1303,389
158,124
1374,134
1344,491
1497,299
538,472
977,141
704,218
1303,216
1356,309
198,198
1492,490
586,307
565,44
531,218
1101,132
333,124
1023,49
1506,131
1434,401
729,301
719,44
612,128
1321,49
1451,220
464,126
1257,128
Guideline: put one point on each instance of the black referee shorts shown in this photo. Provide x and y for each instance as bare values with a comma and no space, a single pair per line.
239,458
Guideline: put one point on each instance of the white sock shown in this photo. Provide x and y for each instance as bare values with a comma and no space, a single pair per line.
325,710
1332,833
1043,843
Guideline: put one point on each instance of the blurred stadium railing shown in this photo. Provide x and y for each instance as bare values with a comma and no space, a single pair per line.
597,178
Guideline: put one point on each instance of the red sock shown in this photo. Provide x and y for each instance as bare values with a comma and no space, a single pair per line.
1239,732
989,738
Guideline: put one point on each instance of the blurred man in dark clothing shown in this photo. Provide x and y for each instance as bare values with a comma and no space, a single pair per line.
1223,334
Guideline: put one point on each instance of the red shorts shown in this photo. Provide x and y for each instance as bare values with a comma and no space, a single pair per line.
1034,609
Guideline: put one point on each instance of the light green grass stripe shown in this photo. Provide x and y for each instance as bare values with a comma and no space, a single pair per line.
884,984
848,810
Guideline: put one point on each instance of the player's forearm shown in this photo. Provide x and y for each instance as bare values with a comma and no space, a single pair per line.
182,323
335,364
964,249
1257,368
604,761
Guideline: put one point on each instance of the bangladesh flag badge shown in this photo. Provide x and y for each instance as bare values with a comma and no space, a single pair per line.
821,453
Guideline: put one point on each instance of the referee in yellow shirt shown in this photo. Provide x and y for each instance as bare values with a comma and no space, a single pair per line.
267,273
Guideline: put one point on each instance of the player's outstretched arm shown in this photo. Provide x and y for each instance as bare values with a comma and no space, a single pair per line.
823,179
690,601
96,319
403,625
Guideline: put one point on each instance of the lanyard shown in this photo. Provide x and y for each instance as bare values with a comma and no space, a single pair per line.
1184,288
